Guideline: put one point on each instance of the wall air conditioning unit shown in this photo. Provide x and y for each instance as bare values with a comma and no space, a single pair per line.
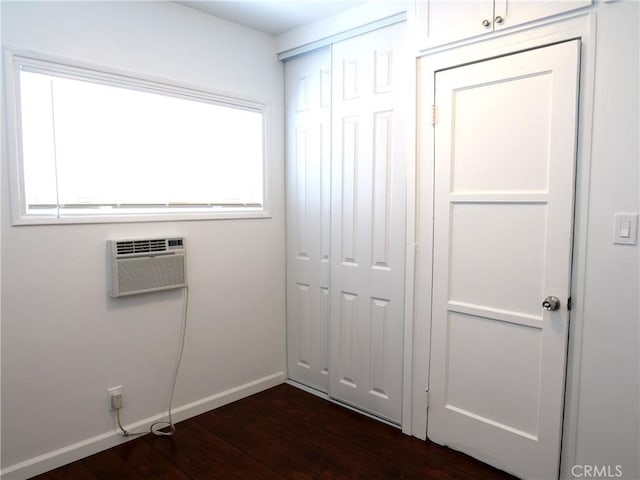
146,265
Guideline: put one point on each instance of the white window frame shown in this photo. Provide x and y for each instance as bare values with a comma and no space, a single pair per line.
15,59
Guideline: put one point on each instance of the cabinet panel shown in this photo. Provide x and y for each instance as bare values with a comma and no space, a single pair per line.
518,12
440,22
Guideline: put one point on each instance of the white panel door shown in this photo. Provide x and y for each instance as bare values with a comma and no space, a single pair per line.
308,117
368,221
505,158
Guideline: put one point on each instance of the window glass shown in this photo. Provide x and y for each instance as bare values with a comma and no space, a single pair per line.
92,147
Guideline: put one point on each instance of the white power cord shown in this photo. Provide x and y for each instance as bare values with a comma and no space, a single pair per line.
156,427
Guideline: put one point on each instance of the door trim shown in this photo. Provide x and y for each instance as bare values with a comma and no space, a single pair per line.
582,27
345,35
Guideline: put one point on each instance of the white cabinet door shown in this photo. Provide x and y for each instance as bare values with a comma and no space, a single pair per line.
368,221
439,22
445,21
509,13
504,186
308,114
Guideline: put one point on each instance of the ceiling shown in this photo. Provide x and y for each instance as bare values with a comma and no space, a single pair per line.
272,16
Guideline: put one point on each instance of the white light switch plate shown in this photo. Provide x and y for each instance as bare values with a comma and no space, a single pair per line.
626,229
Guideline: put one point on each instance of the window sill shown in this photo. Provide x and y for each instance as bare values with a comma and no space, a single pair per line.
27,220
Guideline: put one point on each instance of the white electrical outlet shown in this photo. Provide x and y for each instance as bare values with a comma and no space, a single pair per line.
114,395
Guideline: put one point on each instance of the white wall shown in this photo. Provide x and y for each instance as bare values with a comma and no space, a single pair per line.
63,340
324,31
607,403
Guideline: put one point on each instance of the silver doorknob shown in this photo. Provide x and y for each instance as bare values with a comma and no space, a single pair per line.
551,304
499,19
486,23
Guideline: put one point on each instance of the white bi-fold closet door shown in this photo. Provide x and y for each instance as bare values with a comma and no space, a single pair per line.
308,143
346,204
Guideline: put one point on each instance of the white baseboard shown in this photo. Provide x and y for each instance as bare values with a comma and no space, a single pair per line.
71,453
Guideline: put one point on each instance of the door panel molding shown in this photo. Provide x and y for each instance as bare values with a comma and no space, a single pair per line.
307,80
368,228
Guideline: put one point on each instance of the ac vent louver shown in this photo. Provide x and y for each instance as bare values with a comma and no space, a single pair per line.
148,265
127,247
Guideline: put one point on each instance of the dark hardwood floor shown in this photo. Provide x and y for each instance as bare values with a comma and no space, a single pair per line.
281,433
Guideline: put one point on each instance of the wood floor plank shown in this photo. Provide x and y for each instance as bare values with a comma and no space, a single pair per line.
281,433
247,436
75,470
108,465
201,454
148,462
312,415
191,459
319,456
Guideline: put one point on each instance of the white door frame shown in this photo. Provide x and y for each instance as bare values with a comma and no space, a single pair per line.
580,26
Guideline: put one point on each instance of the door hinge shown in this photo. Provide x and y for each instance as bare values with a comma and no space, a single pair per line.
433,115
426,400
569,304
